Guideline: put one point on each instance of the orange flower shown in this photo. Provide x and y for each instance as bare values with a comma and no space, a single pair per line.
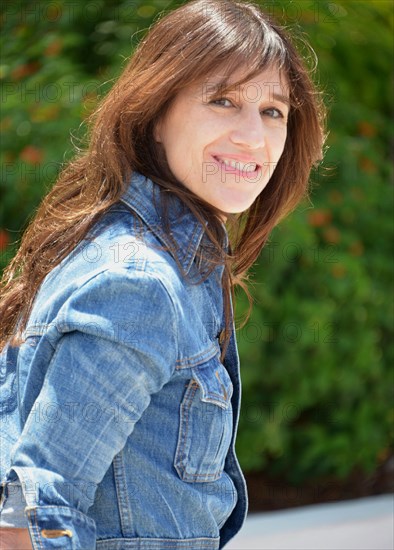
25,70
32,155
356,248
367,165
338,271
4,239
321,217
366,129
47,112
332,235
54,48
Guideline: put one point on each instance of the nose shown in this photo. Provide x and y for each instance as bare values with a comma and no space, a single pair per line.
249,131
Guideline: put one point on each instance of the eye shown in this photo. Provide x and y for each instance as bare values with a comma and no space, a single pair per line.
273,113
222,102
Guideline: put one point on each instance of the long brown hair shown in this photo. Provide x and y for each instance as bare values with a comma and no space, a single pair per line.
182,48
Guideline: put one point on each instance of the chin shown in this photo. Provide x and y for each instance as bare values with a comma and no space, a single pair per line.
234,208
235,202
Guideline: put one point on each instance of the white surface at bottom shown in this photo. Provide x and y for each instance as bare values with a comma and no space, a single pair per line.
363,524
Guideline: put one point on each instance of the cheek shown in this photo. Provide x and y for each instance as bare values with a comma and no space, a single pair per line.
166,135
278,142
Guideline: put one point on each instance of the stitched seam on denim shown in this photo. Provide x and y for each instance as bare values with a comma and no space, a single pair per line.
193,386
150,276
35,528
70,512
39,329
175,323
59,321
185,413
214,394
190,254
94,276
122,493
206,290
221,400
176,545
139,208
198,358
141,543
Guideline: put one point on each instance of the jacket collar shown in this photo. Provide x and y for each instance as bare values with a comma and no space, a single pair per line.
184,234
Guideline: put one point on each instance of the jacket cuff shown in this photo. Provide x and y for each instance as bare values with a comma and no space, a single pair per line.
60,527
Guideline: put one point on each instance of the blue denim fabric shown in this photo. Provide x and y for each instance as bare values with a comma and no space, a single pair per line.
117,416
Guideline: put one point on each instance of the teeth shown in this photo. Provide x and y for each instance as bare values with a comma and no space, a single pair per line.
241,166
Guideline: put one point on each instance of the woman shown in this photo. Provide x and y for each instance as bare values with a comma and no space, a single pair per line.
121,378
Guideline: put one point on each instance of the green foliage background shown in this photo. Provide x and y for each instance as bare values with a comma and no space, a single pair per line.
317,351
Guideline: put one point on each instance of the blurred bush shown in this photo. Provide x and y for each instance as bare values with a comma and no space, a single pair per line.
317,351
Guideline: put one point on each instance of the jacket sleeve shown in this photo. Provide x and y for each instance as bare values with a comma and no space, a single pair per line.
116,347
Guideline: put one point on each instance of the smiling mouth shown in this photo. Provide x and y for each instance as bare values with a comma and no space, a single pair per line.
238,166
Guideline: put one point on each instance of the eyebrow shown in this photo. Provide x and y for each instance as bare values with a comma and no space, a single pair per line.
285,99
220,88
282,98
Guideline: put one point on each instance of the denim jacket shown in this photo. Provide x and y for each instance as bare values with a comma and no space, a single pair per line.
118,418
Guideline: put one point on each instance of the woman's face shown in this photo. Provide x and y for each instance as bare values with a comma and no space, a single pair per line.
226,149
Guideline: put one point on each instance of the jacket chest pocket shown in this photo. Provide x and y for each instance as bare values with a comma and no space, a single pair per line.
206,424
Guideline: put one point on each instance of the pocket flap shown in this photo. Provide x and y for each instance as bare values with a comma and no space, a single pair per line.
215,383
